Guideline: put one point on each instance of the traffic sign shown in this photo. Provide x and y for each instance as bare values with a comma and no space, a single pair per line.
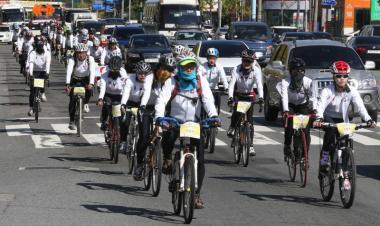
328,2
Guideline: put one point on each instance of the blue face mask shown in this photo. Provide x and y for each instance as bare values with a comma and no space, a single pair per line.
187,81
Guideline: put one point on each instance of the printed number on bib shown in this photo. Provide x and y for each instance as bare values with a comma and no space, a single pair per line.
190,129
300,121
116,110
243,106
346,128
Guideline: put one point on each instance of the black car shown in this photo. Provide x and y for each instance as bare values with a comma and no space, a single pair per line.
147,47
322,35
368,48
91,24
291,36
124,33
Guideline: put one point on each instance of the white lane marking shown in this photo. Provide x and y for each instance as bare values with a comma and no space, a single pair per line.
47,141
365,140
18,130
219,142
99,124
63,129
53,118
315,140
225,112
95,139
6,197
221,129
262,128
260,139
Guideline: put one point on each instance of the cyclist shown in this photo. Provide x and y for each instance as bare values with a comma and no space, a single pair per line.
15,35
39,67
138,89
107,52
92,36
80,70
193,91
96,51
297,93
244,77
333,106
112,88
177,50
59,40
214,73
24,48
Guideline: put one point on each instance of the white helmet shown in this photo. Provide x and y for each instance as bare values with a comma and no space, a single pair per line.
84,31
81,47
178,49
116,54
96,42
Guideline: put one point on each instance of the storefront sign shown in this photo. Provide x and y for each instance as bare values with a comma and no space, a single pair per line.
375,10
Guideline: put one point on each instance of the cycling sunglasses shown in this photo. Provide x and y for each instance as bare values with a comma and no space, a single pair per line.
341,76
248,61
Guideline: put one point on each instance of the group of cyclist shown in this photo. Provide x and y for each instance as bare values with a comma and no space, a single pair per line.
180,87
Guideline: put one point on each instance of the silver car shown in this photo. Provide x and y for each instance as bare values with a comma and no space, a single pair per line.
188,38
319,56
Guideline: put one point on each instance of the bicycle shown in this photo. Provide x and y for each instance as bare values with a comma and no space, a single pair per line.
183,178
299,153
112,132
241,140
79,94
342,164
38,85
133,137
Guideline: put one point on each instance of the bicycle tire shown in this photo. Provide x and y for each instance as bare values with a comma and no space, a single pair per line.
348,164
156,168
131,142
326,181
236,146
189,189
213,132
247,144
36,104
291,160
109,135
147,171
175,178
115,140
78,116
303,155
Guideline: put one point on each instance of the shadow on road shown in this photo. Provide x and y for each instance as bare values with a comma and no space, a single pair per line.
130,190
153,214
78,159
371,171
220,162
250,179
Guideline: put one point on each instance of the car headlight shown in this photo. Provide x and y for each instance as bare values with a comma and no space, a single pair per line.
166,54
269,50
133,55
367,83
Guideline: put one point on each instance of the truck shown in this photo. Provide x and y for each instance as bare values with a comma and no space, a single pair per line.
12,14
78,18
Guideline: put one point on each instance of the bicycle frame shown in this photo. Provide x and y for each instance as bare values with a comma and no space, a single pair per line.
186,151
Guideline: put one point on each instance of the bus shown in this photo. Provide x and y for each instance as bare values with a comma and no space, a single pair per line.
167,16
12,14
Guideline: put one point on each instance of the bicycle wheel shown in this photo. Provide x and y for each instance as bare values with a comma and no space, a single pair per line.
131,142
157,168
326,181
78,116
246,144
177,196
147,170
213,132
36,104
291,160
236,146
302,153
109,136
115,140
189,189
349,171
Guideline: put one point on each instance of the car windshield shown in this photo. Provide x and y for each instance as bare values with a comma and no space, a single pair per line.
180,15
322,57
190,36
127,33
226,49
367,40
109,31
280,31
376,31
4,28
149,42
251,32
298,36
14,15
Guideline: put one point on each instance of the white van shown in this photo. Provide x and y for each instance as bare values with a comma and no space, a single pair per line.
5,34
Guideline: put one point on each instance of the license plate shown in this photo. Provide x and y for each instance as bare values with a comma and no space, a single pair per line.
151,60
374,51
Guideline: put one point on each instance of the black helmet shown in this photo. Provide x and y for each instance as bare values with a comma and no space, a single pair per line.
92,31
168,62
142,67
115,63
297,63
248,54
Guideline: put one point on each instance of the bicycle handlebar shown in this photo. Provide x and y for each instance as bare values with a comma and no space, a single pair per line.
312,115
171,122
334,125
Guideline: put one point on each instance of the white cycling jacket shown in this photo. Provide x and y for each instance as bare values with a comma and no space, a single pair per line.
214,75
246,85
106,55
182,108
82,69
335,104
39,62
137,91
113,86
294,97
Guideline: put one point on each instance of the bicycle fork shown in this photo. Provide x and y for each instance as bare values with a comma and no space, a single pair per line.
183,157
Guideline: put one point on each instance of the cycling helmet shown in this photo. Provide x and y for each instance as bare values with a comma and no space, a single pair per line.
248,54
84,31
168,63
178,49
96,42
143,68
112,40
186,59
84,37
340,67
213,52
115,63
29,34
116,54
38,42
297,63
81,47
16,27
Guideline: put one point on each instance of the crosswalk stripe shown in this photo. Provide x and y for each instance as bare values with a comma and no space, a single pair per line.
18,130
219,142
365,140
94,139
62,129
47,141
260,139
221,129
259,128
225,112
316,140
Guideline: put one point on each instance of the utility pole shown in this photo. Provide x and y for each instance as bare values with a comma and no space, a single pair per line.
241,9
282,12
305,24
298,15
253,10
122,9
129,10
315,15
260,11
219,14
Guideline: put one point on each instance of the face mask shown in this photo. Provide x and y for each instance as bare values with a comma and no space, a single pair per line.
186,75
187,81
114,75
296,80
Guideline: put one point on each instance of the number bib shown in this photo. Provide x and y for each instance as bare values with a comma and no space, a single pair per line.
79,91
300,121
243,106
190,129
39,83
116,110
346,128
134,111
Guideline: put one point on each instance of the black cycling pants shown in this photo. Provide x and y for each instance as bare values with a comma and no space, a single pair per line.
297,109
78,82
145,123
40,75
330,134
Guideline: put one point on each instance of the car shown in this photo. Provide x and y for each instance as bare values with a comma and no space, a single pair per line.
123,33
220,33
368,48
319,56
91,24
188,38
5,34
229,53
256,35
112,22
370,30
290,36
108,32
277,31
322,35
147,47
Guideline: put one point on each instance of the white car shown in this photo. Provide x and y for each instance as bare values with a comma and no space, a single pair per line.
229,53
5,34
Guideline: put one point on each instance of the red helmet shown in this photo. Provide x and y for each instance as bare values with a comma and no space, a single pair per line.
340,67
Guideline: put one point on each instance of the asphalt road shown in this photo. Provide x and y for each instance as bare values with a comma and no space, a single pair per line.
49,176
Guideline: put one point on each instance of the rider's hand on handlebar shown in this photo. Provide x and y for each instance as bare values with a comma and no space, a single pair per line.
285,114
90,86
67,89
100,102
318,122
371,124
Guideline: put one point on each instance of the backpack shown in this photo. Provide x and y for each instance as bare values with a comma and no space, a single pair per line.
176,90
